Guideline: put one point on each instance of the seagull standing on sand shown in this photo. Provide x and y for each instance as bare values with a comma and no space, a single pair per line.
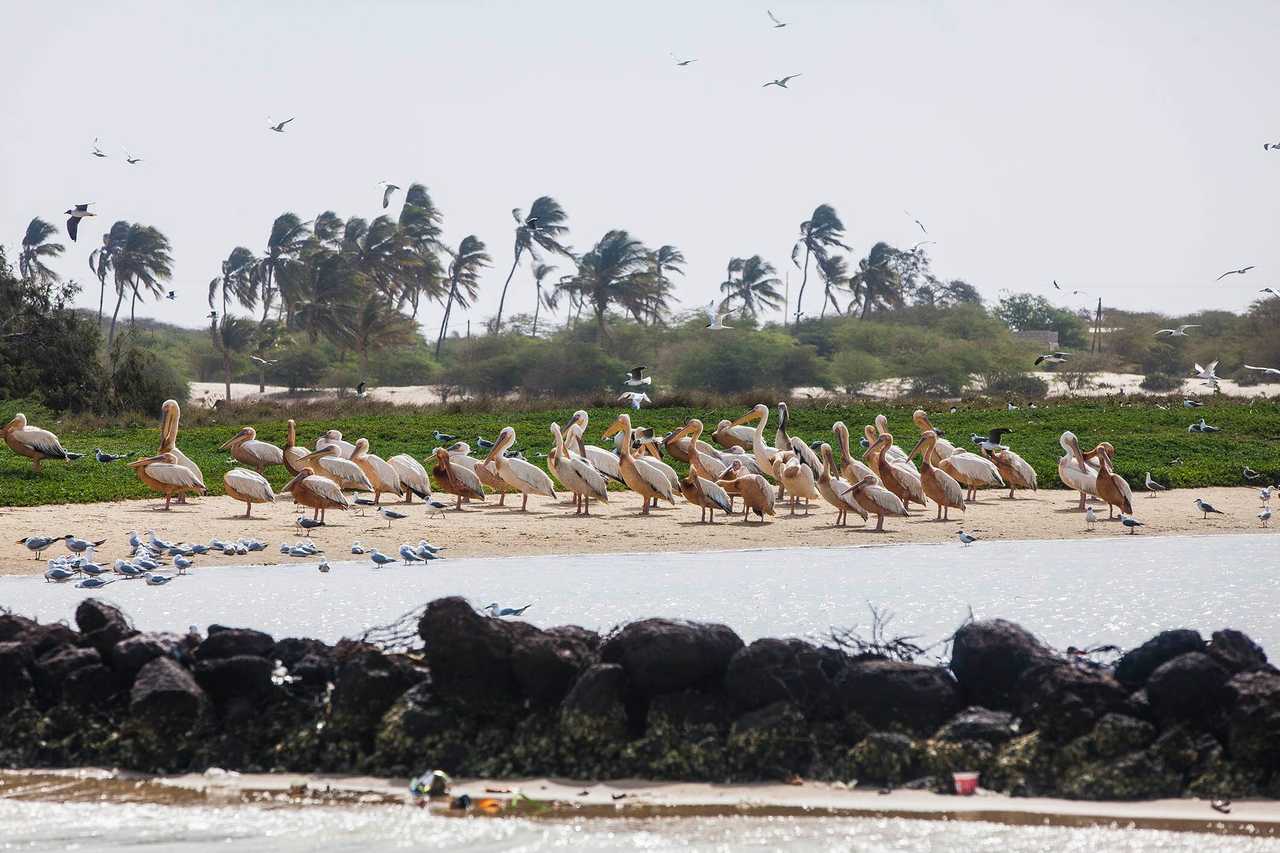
356,547
634,399
182,564
1265,516
1130,522
1180,332
1240,271
78,546
409,555
965,539
1207,508
1090,518
781,82
380,558
39,544
387,190
390,515
324,566
74,215
1152,485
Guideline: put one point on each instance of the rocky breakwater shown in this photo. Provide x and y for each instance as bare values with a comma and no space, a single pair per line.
658,698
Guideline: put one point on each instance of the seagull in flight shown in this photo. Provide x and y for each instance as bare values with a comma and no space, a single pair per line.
130,159
1269,290
1180,332
781,82
715,319
777,25
991,442
634,398
97,152
1240,271
264,362
1266,146
387,190
172,296
681,63
279,128
74,215
1270,371
636,377
1208,374
1052,358
917,221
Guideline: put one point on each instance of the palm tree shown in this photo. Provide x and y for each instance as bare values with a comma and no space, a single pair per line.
877,281
36,249
328,289
464,279
818,235
666,259
266,339
231,335
756,286
285,243
422,275
102,259
543,228
612,272
551,298
834,271
378,325
378,249
142,262
328,230
238,281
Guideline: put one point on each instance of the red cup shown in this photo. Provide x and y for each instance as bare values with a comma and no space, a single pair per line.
966,783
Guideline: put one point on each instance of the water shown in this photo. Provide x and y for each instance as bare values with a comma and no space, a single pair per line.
1120,590
42,826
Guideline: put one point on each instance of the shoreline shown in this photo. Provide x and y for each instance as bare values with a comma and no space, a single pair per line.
551,529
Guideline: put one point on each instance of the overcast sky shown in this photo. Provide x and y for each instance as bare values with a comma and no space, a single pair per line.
1114,147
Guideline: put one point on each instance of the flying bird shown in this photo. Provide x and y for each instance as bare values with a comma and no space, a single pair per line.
279,128
917,221
991,442
1269,290
261,361
1056,286
360,392
917,246
777,25
634,399
130,159
781,82
97,152
1052,358
387,190
1240,271
1271,146
1208,374
172,296
681,63
1270,371
1180,332
636,377
715,319
74,215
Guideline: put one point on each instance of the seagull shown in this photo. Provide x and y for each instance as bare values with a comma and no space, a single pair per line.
483,443
781,82
39,544
634,398
1264,494
954,409
1207,508
409,554
360,392
380,558
324,566
1056,286
1130,522
1269,290
777,25
1202,427
74,215
1152,485
1270,371
715,320
157,541
1090,518
279,128
444,438
917,246
58,574
357,547
1180,332
182,564
966,539
437,505
494,610
97,152
130,159
92,569
1052,358
77,545
425,547
1249,474
636,377
104,457
681,63
172,296
1240,271
1191,404
1265,516
1269,145
307,523
387,190
991,442
1208,374
1010,407
390,515
199,548
94,583
917,221
264,362
157,580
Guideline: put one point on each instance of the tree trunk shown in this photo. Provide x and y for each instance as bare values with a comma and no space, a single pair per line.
226,372
537,306
444,323
102,295
803,281
112,335
133,306
262,378
502,300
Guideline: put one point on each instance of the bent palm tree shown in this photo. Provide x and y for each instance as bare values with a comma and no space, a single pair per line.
877,281
284,245
421,273
611,273
834,271
756,286
551,298
542,228
36,249
819,234
142,262
102,259
238,281
666,259
464,279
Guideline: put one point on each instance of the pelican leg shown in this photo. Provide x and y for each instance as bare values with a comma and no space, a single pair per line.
524,504
879,524
586,504
502,499
248,509
1081,502
458,508
939,518
806,506
1111,515
644,510
167,499
1010,493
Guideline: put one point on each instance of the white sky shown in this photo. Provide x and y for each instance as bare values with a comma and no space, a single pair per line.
1116,147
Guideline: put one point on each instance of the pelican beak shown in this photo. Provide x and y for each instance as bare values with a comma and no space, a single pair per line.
289,485
749,417
138,463
614,427
917,448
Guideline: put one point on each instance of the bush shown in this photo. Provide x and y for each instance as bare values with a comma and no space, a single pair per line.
1160,383
141,381
852,369
1015,385
299,366
410,366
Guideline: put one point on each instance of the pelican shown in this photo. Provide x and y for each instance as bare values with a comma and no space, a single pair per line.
246,448
679,444
940,486
293,454
577,475
851,468
798,478
381,475
1113,488
877,501
898,477
648,481
456,479
162,473
602,460
334,437
412,476
487,471
782,441
1016,472
941,447
650,455
248,486
834,489
762,452
318,493
327,463
756,493
171,416
729,435
971,471
894,453
34,443
1074,472
699,486
522,476
648,459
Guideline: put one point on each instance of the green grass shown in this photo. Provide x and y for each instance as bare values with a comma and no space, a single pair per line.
1146,439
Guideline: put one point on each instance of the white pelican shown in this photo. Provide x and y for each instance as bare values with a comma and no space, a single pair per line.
32,442
730,435
756,493
939,486
941,447
602,460
783,441
851,468
456,479
293,454
381,475
334,437
899,477
1014,470
833,489
1074,472
648,456
162,473
248,486
699,486
171,417
1111,487
522,476
971,471
412,476
577,475
877,501
798,478
246,448
318,493
327,463
762,452
648,481
894,453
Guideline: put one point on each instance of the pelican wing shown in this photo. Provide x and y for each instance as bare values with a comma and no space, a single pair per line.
654,477
262,453
40,440
466,477
712,465
1020,473
345,448
326,488
526,477
411,474
346,473
581,477
881,501
973,468
174,475
603,461
715,494
388,479
249,483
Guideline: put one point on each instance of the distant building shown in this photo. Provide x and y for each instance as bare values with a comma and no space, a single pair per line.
1047,338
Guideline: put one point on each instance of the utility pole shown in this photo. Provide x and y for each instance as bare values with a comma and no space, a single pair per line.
1096,345
786,300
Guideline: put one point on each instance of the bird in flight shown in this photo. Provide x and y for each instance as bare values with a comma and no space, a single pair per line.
634,398
1052,358
1240,271
1275,146
1180,332
1269,290
1270,371
130,159
681,63
279,128
917,246
636,377
715,319
264,362
917,222
387,190
97,152
777,25
74,215
1209,374
781,82
1056,286
172,296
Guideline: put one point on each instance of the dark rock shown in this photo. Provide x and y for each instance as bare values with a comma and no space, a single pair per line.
421,715
247,676
131,654
1235,651
368,683
313,671
666,655
1192,686
15,678
1064,700
1113,736
989,657
691,708
892,694
290,650
94,614
597,692
1136,666
166,696
772,742
885,758
772,670
469,654
974,723
546,663
50,671
229,642
12,626
1134,776
1253,728
90,686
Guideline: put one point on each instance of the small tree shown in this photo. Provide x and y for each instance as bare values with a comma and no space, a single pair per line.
232,336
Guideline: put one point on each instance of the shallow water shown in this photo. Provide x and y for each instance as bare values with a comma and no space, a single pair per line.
1116,590
39,826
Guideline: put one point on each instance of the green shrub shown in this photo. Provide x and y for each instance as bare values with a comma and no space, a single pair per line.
410,366
1160,383
1015,384
141,381
852,369
299,366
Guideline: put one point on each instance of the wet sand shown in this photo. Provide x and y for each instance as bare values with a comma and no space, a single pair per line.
550,527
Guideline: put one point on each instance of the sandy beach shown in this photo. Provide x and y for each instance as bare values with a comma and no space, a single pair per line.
550,527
